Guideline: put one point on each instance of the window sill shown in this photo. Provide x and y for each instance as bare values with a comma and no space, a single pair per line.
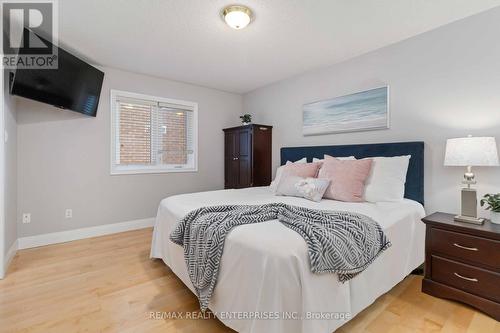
117,172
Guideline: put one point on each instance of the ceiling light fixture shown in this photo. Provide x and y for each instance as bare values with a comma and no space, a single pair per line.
237,16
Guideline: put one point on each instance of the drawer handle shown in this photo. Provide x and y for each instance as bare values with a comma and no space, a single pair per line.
466,278
465,247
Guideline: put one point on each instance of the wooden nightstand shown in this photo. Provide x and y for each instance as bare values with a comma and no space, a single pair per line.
462,262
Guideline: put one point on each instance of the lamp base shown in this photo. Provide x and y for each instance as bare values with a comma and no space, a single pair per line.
469,219
469,203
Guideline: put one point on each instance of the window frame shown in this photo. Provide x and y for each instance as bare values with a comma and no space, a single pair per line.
153,169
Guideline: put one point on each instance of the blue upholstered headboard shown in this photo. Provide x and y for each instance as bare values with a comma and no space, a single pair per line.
414,187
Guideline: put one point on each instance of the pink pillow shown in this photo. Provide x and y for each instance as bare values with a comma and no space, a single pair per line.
304,170
347,178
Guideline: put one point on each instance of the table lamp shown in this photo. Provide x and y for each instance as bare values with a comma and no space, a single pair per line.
469,152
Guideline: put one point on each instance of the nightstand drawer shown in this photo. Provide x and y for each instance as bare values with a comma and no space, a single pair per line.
468,278
466,247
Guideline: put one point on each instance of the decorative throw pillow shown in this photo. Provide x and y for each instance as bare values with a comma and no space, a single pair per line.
308,188
347,178
303,170
386,181
279,171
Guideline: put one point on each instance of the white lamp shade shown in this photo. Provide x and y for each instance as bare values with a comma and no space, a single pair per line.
471,151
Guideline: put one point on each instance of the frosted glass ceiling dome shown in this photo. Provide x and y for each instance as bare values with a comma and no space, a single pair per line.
237,16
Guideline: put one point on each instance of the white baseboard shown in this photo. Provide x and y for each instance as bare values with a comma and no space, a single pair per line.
8,258
75,234
11,253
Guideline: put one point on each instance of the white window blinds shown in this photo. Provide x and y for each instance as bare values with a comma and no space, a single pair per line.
152,134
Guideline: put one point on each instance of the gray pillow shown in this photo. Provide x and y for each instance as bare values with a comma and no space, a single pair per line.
307,188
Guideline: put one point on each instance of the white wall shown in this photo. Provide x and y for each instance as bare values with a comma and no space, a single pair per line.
10,116
8,177
2,180
444,83
8,173
63,158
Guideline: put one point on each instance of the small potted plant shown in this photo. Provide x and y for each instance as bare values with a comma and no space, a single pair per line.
492,202
246,119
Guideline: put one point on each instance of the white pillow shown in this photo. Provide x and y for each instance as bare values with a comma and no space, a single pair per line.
339,158
387,179
279,171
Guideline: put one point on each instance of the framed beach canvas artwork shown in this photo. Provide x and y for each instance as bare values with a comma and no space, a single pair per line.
362,111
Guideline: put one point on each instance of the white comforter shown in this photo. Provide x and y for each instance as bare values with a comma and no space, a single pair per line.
265,268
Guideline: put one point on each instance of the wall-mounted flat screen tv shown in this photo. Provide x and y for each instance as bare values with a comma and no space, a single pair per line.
74,85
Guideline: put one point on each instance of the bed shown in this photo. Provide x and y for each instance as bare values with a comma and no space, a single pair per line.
265,284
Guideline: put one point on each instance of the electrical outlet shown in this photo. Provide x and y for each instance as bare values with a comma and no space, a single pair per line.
26,218
69,213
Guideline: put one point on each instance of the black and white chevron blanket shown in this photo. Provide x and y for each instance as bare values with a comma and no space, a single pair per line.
338,242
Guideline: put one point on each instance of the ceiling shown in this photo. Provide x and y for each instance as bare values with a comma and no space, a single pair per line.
186,40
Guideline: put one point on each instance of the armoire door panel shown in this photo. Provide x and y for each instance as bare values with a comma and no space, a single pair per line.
245,158
261,156
231,169
244,143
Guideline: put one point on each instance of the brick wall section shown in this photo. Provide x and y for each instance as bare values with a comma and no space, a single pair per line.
174,142
135,137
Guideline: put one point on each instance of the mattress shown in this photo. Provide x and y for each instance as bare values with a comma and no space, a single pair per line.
265,283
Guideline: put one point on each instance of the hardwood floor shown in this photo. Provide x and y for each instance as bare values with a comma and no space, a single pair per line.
109,284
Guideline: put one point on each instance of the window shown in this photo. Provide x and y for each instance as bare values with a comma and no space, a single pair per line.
152,134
